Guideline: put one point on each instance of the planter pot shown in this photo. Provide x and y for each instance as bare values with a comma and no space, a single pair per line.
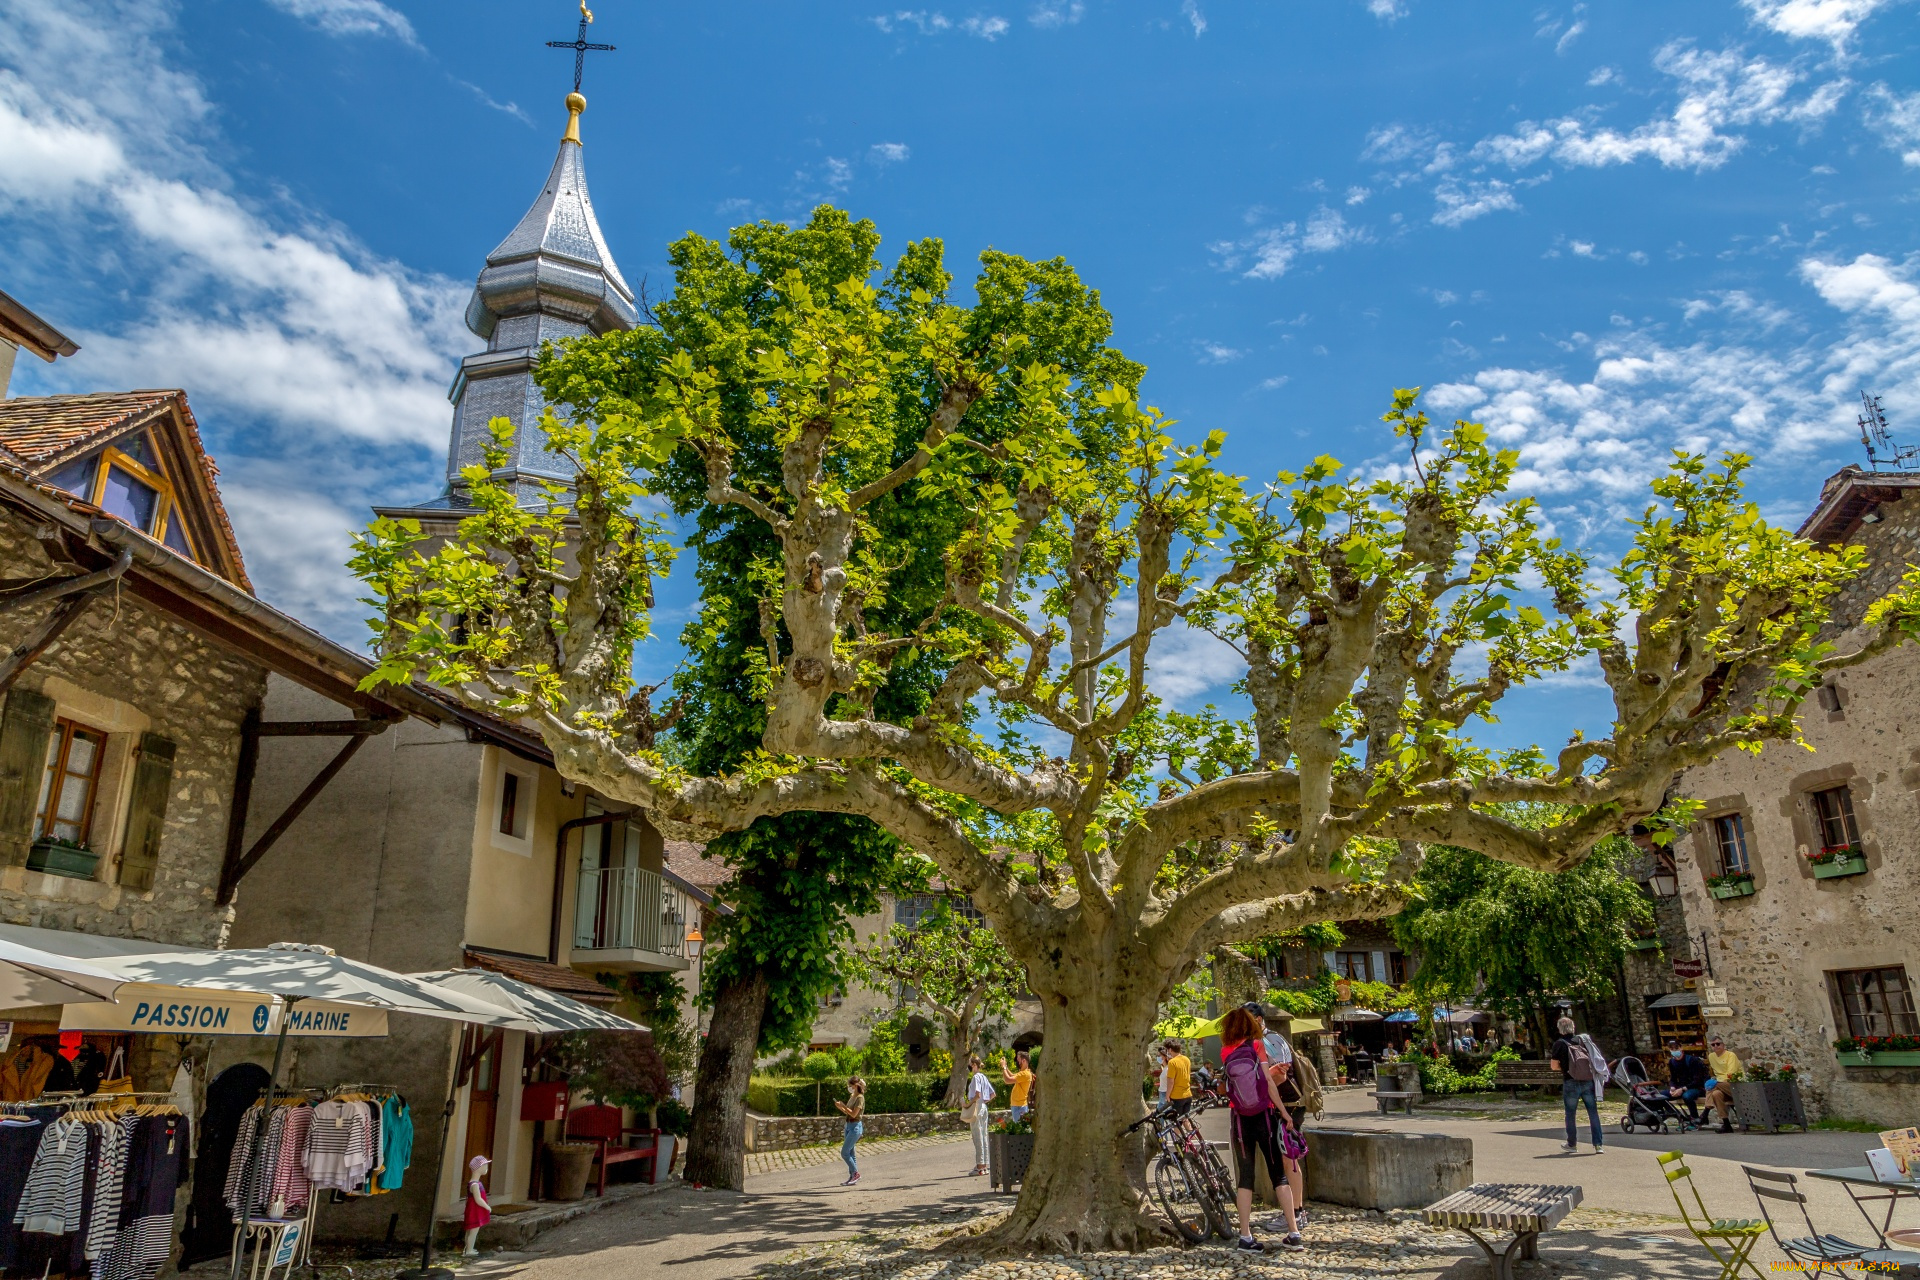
62,860
1768,1104
1738,889
1881,1058
1008,1155
572,1162
1849,866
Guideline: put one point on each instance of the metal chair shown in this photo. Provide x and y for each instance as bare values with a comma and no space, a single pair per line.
1768,1185
1736,1236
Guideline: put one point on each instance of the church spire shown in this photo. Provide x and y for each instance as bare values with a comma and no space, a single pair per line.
553,277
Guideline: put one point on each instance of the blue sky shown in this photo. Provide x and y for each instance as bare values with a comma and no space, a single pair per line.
1604,230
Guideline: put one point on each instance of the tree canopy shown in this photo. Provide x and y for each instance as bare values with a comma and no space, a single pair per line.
1112,841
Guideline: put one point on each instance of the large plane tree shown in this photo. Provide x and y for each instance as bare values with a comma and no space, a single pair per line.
1111,841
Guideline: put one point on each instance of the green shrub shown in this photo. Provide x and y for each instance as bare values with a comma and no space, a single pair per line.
819,1066
777,1096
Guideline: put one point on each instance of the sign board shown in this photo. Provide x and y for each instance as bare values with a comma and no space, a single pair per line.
289,1245
150,1007
1716,1011
1712,993
1342,991
6,1035
1691,968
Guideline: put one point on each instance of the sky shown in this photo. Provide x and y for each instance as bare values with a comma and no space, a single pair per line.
1605,231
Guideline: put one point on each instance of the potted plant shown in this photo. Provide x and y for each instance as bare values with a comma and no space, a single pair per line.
618,1067
1768,1098
1736,884
1878,1051
1834,861
61,857
1009,1151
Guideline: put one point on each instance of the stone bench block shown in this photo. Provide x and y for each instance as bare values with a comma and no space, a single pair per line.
1384,1169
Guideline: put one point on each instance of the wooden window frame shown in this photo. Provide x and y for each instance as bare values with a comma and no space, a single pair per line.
1902,1021
163,514
1739,826
1841,797
60,749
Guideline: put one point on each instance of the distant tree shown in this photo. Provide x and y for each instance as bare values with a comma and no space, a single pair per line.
1516,937
951,969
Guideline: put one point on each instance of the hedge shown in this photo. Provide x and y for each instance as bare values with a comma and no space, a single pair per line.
785,1096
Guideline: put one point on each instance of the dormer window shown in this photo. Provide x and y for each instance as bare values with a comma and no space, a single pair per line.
125,481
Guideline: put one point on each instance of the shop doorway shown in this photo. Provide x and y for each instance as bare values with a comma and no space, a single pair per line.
483,1096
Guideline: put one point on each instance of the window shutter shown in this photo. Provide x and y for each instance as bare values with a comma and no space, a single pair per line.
24,730
147,811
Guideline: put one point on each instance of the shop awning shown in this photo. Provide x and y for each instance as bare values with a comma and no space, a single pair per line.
538,973
1404,1015
1676,1000
550,1010
1348,1013
1306,1026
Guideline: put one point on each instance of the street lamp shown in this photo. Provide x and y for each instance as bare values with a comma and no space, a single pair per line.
695,943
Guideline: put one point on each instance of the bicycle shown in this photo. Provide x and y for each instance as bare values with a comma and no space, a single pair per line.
1193,1186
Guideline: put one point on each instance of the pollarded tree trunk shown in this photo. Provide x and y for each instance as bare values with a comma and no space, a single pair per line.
1085,1189
717,1141
960,1045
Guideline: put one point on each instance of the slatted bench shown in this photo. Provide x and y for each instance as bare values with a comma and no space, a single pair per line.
1389,1098
1515,1076
1526,1209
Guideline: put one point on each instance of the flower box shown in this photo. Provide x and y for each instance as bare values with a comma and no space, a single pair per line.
1008,1156
57,858
1881,1058
1731,887
1849,862
1768,1104
1644,944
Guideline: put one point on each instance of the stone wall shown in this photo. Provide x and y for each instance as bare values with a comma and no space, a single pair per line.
1774,949
185,689
781,1133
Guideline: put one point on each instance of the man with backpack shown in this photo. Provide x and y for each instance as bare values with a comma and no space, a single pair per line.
1583,1069
1254,1124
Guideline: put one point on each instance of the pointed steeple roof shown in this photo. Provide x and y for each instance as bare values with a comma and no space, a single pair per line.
556,262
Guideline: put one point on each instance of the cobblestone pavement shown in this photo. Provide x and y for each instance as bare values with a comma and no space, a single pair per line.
1340,1243
807,1157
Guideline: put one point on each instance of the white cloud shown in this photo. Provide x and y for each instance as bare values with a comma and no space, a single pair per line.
1582,249
926,21
513,109
1460,202
1197,20
283,328
985,28
1357,195
889,152
1273,249
1217,352
1572,34
1387,10
1050,13
1603,75
1722,91
1831,20
1897,120
839,173
350,17
1274,384
1327,230
1398,143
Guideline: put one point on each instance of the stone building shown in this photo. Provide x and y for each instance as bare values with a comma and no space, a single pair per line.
136,661
1803,870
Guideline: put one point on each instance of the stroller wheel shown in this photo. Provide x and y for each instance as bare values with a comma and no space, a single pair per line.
1626,1124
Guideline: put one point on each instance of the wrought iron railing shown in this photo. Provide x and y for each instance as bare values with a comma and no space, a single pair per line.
628,908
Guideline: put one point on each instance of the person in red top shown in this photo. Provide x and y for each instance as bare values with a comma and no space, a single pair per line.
1255,1124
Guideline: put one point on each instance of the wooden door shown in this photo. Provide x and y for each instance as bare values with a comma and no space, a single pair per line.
483,1102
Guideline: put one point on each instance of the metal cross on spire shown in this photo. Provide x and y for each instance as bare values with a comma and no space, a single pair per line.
579,44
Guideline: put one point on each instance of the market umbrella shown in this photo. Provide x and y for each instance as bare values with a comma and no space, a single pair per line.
295,972
548,1010
1188,1027
31,976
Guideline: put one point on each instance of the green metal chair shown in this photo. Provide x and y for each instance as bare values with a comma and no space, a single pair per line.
1729,1240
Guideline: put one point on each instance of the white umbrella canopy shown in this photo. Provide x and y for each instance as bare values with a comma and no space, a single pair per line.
298,971
30,976
549,1009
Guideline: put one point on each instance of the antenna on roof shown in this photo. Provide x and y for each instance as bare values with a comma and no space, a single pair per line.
1878,440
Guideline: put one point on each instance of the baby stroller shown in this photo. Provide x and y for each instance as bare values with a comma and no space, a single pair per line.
1648,1105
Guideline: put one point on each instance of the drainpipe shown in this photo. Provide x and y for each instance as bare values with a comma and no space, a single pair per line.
560,871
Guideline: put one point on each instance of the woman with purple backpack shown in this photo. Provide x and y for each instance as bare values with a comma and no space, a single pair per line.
1255,1124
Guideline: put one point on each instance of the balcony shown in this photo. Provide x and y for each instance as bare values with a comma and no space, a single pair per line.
630,920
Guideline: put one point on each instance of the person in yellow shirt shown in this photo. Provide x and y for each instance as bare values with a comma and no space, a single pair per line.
1179,1077
1722,1066
1022,1082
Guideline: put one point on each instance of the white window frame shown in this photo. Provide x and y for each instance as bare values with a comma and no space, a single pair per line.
526,803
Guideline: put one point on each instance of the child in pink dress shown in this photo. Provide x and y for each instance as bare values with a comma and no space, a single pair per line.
479,1212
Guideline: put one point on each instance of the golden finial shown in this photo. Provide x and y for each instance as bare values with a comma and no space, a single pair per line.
586,12
575,105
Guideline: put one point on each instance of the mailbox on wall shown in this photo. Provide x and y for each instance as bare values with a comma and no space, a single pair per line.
544,1100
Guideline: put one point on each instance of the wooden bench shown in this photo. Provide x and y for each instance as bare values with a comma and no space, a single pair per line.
1526,1209
604,1126
1516,1076
1388,1098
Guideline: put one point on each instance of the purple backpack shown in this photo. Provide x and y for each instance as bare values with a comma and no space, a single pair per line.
1246,1081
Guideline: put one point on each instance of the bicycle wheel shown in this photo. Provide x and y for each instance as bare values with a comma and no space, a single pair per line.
1184,1202
1220,1181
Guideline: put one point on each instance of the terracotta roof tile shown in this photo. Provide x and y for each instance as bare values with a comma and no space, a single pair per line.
541,974
690,862
39,428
